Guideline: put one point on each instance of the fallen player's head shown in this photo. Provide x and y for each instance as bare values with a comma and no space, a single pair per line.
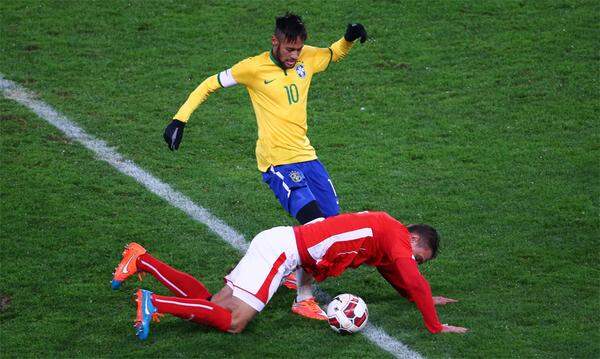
424,240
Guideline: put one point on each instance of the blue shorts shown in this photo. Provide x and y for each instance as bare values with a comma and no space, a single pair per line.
297,184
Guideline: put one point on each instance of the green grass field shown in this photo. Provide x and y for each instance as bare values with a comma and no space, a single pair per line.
480,118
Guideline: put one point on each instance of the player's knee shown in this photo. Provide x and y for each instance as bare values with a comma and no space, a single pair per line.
238,323
309,212
241,315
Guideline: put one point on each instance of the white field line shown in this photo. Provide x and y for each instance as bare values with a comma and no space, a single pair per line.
13,91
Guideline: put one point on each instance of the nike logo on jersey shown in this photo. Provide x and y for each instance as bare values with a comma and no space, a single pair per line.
268,81
124,270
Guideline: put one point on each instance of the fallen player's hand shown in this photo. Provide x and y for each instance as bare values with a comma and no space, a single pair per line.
354,31
443,300
452,329
173,134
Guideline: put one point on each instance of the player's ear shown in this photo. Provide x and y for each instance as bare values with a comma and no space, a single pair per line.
274,40
414,238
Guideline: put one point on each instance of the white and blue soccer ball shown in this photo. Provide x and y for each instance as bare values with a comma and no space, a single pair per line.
347,314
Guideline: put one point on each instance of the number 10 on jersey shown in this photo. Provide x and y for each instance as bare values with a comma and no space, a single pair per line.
292,93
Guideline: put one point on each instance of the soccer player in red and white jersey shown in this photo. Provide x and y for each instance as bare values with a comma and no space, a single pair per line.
324,248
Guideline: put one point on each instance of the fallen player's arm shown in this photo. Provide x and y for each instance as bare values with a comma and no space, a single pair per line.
443,300
437,300
405,277
388,272
452,329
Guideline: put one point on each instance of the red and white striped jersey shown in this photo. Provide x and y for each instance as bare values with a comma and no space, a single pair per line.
330,246
349,240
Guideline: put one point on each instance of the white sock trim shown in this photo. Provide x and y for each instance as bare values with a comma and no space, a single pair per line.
183,304
163,277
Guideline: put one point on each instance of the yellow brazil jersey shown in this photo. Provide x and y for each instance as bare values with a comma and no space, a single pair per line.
279,97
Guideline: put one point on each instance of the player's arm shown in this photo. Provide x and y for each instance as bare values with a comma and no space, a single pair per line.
388,272
404,276
174,131
341,48
322,57
197,97
239,73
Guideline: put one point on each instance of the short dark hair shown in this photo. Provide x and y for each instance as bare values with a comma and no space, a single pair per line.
428,236
290,26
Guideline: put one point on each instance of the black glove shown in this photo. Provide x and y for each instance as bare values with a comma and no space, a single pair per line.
354,31
173,134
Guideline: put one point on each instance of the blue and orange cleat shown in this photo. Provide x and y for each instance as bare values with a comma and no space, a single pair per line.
146,312
127,267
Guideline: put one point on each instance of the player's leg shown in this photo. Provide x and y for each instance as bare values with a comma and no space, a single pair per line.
322,188
181,284
250,286
272,255
241,312
150,306
305,304
227,313
298,200
290,186
309,212
137,260
291,189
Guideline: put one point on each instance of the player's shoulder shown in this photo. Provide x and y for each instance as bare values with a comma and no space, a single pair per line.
254,60
376,214
388,221
377,219
309,51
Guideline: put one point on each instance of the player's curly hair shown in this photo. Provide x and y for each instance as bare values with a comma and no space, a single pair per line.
429,237
290,27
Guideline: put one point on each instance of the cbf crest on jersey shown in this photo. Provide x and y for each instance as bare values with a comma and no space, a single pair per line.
296,176
300,71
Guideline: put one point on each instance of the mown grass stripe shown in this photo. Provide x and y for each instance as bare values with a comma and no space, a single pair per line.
15,92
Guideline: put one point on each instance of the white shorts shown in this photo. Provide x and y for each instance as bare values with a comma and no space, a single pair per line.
271,256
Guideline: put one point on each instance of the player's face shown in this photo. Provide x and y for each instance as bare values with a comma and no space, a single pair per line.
421,258
287,52
421,254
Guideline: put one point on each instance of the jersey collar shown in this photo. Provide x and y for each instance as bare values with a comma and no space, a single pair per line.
276,62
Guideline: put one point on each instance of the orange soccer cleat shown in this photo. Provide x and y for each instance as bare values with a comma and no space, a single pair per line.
290,281
309,308
127,267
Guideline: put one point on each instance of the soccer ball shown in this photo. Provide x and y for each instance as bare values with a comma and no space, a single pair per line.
347,314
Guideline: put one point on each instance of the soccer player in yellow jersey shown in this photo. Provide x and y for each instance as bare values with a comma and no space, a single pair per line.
278,82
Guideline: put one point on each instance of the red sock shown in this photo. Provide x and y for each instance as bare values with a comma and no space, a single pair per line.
197,310
179,283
